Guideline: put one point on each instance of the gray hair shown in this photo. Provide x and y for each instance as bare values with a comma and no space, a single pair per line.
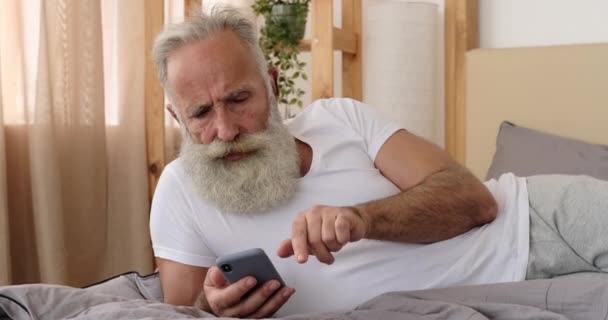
221,18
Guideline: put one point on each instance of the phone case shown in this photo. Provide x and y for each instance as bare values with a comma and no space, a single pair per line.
252,262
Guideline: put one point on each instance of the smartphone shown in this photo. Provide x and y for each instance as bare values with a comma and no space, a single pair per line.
252,262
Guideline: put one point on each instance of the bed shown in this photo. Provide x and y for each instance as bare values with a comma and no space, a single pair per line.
559,92
130,296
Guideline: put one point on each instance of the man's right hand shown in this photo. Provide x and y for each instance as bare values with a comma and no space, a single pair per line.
226,300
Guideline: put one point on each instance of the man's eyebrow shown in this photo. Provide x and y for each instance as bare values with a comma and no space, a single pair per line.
236,92
194,109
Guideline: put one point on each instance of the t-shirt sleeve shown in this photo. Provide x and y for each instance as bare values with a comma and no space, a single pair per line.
174,233
366,121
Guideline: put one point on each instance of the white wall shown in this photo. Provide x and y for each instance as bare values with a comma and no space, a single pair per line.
514,23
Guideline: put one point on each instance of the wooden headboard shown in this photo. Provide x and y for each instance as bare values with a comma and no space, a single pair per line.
558,89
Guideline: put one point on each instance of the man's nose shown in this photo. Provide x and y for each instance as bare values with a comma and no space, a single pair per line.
226,126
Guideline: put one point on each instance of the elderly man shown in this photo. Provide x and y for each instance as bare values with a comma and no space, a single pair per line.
374,204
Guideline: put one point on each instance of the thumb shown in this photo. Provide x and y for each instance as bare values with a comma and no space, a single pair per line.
215,278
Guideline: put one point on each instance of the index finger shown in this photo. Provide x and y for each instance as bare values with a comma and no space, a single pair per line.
299,239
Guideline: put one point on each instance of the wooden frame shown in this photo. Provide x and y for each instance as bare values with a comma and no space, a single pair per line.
326,39
461,35
154,98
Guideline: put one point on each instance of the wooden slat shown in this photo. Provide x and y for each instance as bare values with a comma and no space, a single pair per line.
450,77
345,41
192,7
154,98
322,49
352,64
461,35
305,45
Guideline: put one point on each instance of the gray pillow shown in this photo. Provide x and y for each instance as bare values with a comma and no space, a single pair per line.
527,152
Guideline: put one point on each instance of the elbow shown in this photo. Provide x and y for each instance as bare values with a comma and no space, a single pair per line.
488,210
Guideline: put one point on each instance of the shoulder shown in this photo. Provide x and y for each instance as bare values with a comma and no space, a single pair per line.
338,107
175,201
173,177
175,187
344,111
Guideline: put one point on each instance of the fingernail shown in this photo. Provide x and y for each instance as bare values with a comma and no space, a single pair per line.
274,286
301,258
287,293
250,282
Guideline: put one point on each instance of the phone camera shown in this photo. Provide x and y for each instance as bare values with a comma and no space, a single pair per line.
226,267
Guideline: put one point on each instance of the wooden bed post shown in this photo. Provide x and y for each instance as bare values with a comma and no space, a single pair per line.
461,35
352,63
192,6
154,98
325,39
322,48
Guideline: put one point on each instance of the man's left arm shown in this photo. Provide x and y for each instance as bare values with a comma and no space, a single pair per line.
440,199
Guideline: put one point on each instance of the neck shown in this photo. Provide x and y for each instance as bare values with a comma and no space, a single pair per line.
305,153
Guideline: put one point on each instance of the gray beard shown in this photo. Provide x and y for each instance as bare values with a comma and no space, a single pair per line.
263,180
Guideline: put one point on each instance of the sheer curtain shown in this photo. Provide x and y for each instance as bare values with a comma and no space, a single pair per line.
73,181
5,267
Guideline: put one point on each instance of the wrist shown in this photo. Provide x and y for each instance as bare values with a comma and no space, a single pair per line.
364,216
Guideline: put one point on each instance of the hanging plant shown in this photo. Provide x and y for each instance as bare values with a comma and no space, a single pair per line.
280,37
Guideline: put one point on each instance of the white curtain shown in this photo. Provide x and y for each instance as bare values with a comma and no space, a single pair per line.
76,207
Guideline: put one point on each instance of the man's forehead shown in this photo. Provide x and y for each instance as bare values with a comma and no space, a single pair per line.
221,61
222,51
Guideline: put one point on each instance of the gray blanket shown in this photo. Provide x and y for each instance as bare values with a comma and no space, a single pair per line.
577,296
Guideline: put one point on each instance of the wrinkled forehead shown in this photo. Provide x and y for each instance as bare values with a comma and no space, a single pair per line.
219,62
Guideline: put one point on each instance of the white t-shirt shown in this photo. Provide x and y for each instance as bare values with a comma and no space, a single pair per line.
345,136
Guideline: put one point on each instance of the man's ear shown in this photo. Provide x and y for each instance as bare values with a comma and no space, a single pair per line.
172,112
274,78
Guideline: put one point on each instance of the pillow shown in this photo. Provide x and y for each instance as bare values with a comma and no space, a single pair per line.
527,152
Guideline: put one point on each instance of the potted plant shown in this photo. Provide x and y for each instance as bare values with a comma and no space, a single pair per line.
284,26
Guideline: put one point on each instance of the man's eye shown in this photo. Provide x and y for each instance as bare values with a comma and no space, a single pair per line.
240,98
201,113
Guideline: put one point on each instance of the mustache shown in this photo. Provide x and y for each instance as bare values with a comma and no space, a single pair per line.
247,142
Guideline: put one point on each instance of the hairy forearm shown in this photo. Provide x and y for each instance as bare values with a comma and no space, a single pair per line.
446,204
